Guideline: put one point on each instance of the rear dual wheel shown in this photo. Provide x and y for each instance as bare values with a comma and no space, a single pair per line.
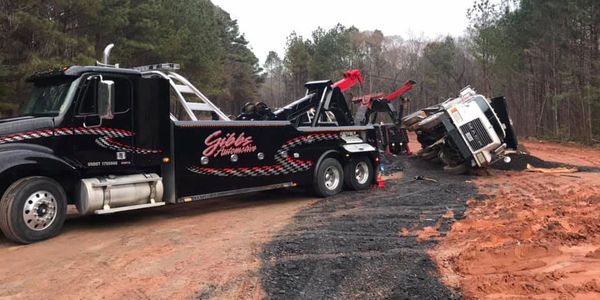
358,174
331,176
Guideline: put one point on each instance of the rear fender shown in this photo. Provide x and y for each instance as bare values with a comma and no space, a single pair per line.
329,153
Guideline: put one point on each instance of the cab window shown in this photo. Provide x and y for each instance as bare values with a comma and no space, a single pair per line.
123,95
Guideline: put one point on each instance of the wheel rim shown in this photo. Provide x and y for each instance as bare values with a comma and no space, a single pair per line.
39,210
332,178
361,172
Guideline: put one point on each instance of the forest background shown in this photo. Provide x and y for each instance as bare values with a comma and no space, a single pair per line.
542,55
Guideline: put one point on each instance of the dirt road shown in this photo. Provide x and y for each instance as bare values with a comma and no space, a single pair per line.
273,245
178,252
518,235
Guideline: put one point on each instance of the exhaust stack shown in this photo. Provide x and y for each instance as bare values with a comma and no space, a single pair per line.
106,53
105,57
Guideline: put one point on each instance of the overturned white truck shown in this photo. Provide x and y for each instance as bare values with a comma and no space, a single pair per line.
466,132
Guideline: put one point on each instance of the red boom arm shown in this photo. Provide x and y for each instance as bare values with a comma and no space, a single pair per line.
351,78
399,92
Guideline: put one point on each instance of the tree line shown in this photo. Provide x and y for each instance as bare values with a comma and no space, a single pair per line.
40,35
542,55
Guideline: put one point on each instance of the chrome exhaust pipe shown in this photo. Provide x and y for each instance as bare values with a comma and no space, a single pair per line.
106,53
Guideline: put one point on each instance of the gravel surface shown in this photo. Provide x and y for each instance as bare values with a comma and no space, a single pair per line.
391,163
350,246
519,163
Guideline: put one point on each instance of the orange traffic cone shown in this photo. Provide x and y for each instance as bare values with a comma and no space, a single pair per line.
380,182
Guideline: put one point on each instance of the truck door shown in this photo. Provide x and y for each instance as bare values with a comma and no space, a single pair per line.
103,144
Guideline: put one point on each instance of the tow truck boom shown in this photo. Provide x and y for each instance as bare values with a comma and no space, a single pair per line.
351,78
295,111
399,92
392,136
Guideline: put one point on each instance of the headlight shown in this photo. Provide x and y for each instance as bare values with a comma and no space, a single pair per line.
480,158
456,115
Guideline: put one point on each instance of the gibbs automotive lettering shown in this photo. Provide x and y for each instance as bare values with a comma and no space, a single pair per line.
284,163
231,143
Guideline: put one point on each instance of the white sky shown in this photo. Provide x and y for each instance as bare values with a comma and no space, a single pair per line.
267,23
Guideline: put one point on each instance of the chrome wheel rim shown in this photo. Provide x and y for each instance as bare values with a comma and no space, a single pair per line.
361,172
332,178
39,211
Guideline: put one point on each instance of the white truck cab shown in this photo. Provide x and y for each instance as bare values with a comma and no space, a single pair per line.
468,131
473,115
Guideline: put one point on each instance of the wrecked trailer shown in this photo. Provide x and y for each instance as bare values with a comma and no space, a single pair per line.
463,133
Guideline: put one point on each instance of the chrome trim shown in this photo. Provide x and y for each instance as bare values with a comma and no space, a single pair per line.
235,192
336,128
192,124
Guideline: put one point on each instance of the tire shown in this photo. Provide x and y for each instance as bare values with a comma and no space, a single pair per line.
436,159
328,167
450,156
457,170
355,177
413,118
431,122
25,197
429,153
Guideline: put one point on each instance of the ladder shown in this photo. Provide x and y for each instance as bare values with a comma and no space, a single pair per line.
188,96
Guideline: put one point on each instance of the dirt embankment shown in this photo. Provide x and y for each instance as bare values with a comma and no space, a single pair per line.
537,237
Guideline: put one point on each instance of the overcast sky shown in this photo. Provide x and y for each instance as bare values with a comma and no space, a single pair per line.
267,23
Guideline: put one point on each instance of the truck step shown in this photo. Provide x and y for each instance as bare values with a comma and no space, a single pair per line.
126,208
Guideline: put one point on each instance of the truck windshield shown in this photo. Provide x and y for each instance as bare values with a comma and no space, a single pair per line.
49,98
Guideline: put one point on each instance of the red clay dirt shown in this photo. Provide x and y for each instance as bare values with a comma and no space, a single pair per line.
166,253
564,152
537,236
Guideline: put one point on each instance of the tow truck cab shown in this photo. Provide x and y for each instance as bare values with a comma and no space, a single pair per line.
109,139
86,121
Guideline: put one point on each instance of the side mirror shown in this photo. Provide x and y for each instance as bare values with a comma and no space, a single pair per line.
106,99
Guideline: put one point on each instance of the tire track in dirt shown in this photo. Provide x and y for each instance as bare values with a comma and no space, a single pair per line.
352,246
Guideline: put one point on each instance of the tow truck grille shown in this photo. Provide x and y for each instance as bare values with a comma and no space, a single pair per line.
476,134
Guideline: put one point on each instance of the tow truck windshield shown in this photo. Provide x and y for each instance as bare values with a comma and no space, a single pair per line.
49,98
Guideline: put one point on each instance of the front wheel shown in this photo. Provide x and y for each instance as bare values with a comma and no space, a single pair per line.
358,174
33,209
329,178
457,170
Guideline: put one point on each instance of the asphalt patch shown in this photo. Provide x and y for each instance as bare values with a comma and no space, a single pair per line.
519,163
349,246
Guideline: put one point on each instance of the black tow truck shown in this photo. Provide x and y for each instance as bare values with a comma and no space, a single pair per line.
110,139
